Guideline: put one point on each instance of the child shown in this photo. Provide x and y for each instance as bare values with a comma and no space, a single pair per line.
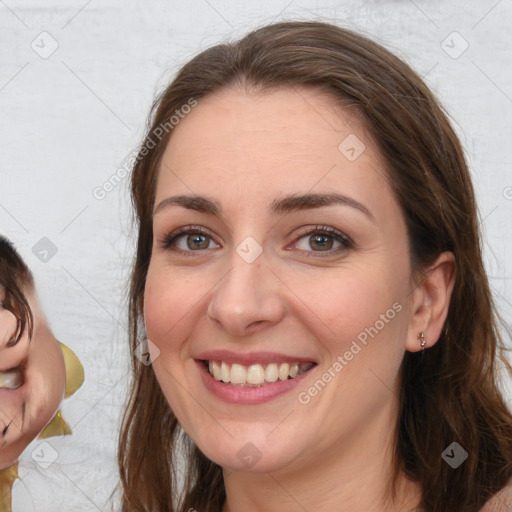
36,370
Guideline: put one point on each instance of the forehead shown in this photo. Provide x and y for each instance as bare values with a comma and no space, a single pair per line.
254,144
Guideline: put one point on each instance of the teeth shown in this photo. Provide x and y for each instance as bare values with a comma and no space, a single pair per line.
255,375
225,373
271,372
11,379
238,374
284,370
214,370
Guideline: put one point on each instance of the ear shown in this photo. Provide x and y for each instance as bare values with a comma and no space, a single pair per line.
430,303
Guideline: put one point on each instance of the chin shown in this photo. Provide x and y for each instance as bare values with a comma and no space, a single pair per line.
44,402
240,454
255,463
10,453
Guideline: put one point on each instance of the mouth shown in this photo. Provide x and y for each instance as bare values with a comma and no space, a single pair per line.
15,377
11,379
255,375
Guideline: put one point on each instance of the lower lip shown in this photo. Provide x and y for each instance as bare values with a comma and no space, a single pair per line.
247,396
13,397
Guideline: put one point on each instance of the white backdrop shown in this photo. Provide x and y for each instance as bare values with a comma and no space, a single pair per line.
76,82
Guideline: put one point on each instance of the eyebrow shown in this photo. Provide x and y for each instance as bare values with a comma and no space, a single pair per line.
283,205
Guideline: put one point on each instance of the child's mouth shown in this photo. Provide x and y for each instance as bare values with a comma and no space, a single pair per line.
11,379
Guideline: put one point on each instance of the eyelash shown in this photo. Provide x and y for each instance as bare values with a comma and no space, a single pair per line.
5,429
167,241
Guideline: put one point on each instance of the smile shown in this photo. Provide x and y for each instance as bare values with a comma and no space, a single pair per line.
11,379
255,375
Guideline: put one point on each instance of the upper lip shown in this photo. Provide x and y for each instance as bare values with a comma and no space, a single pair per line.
249,358
20,368
21,365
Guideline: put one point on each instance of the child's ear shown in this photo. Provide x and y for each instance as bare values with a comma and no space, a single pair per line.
431,302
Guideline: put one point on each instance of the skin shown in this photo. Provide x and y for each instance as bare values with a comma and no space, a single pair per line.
45,377
245,150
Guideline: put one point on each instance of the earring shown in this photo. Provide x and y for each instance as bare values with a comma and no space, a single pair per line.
421,337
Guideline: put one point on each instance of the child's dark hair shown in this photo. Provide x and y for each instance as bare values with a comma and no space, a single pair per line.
15,277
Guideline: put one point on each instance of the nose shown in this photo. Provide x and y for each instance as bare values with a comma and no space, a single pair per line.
247,299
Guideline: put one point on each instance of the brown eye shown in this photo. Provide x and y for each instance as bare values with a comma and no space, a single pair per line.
188,240
197,241
321,242
324,239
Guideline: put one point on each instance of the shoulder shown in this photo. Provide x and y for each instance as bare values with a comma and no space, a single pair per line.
500,502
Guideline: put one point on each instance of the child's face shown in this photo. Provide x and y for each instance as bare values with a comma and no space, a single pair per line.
36,366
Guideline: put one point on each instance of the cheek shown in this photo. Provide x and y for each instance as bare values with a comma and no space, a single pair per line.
7,325
11,356
47,378
341,305
170,299
358,319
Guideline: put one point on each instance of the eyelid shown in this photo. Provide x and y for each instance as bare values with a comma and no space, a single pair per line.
13,341
14,338
318,228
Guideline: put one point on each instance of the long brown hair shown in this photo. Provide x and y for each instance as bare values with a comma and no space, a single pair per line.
451,393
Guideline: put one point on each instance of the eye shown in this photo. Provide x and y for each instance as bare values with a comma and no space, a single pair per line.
324,239
188,239
14,338
13,341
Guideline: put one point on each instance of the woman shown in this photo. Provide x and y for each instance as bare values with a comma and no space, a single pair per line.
36,370
309,277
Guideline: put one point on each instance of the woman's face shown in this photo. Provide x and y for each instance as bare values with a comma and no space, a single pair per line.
271,281
38,365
